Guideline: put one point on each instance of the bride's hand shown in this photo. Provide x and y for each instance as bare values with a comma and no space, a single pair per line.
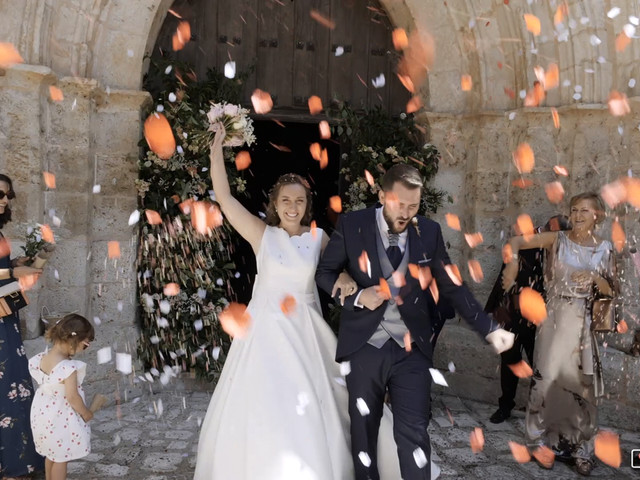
218,138
346,285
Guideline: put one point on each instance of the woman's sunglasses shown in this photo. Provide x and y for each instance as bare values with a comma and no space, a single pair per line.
10,195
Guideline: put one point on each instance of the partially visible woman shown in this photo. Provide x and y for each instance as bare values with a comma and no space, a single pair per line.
567,380
18,455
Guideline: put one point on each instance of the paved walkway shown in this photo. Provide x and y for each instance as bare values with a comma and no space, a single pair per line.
154,437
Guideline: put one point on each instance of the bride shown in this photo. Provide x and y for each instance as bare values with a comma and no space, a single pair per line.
279,410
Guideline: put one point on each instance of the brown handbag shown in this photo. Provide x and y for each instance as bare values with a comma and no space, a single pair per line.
604,315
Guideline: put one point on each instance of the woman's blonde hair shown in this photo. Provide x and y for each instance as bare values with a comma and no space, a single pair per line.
595,200
73,329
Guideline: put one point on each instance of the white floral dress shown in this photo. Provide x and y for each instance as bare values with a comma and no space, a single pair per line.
59,432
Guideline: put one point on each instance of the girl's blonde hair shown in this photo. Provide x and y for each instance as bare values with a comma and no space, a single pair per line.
71,328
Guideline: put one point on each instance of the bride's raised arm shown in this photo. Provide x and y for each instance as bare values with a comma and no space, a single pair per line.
250,227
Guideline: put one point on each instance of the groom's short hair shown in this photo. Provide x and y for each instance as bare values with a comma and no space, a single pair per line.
406,174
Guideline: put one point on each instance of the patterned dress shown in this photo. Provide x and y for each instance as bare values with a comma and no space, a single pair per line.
567,380
17,452
59,432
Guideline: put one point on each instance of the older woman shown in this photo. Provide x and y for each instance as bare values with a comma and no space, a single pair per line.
567,379
18,456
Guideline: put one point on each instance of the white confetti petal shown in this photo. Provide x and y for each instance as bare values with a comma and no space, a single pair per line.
167,70
197,325
104,355
594,40
129,53
165,306
134,217
452,367
632,82
614,12
339,51
577,96
215,352
362,407
119,306
56,275
629,30
522,93
437,377
420,458
345,368
230,69
123,363
634,20
172,97
97,321
180,149
160,108
162,322
512,115
620,129
379,81
364,459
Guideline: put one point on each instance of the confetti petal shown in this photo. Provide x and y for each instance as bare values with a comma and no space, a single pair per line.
288,305
171,289
124,363
475,271
364,263
454,274
622,42
554,191
556,118
560,170
466,83
524,158
414,104
316,151
383,289
324,159
507,253
407,341
618,237
159,137
437,377
476,439
315,105
9,56
369,178
520,452
524,225
322,19
545,456
113,249
153,217
522,183
533,23
622,326
325,130
49,179
335,203
400,39
47,234
55,94
618,104
243,160
452,221
473,239
532,306
261,101
521,369
235,320
607,448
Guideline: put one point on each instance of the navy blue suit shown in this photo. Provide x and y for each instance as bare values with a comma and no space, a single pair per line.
373,371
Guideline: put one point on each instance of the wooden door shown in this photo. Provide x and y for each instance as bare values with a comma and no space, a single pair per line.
294,55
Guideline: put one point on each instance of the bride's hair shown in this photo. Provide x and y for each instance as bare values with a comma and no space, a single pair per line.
288,179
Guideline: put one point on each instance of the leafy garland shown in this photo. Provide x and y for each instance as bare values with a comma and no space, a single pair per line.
181,332
374,142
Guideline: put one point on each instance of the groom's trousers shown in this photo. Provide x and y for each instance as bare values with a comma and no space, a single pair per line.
406,376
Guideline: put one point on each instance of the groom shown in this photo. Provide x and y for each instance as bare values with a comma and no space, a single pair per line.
387,340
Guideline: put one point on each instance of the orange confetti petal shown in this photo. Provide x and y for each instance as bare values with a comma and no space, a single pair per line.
551,77
426,281
454,274
466,83
315,105
159,137
535,96
243,160
476,439
288,305
184,32
560,170
532,306
185,207
607,448
407,341
556,118
452,221
400,39
55,94
524,158
113,249
383,289
554,191
325,130
49,179
433,288
407,83
47,234
369,178
473,239
335,203
618,238
475,270
561,12
524,225
632,186
618,104
261,101
27,282
324,159
205,217
507,253
522,183
520,452
176,43
533,23
153,217
545,456
171,289
399,279
322,20
9,56
622,327
521,369
314,229
363,262
622,42
316,151
235,320
414,104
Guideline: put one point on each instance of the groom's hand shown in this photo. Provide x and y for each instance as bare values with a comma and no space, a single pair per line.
500,340
371,298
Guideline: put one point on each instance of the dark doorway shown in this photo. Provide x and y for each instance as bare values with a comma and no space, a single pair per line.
283,147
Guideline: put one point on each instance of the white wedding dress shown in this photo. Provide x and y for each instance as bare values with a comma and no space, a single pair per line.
279,410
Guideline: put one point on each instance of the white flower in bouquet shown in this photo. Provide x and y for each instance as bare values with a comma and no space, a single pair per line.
235,120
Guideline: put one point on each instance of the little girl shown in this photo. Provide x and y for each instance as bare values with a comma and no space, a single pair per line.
59,415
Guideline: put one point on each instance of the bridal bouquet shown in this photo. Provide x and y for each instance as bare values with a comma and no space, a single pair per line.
236,122
38,245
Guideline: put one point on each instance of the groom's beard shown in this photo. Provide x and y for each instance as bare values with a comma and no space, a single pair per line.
391,222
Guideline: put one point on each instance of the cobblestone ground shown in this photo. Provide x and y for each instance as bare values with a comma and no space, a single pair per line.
154,437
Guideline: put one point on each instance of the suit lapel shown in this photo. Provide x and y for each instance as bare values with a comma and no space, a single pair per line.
371,233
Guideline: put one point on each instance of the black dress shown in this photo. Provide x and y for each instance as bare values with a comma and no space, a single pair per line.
17,452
